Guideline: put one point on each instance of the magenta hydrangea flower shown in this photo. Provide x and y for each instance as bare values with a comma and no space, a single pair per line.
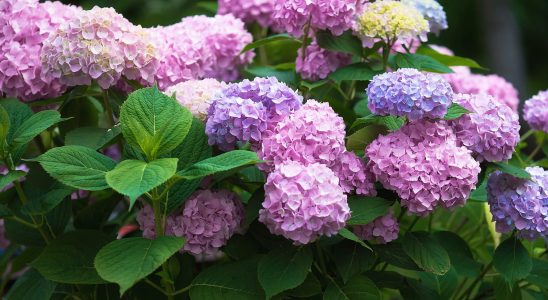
24,27
353,174
303,203
490,130
535,111
336,16
410,93
196,95
422,163
314,133
493,85
99,44
319,62
207,221
4,241
248,110
249,11
381,230
520,204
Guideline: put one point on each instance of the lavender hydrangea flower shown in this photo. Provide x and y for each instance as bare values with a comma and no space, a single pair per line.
196,95
25,25
422,163
261,103
319,62
535,111
410,93
381,230
431,11
303,203
249,11
353,175
314,133
491,130
207,221
520,204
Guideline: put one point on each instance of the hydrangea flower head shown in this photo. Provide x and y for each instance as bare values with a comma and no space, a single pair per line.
336,16
381,230
303,203
353,174
314,133
410,93
319,63
490,130
25,26
422,163
431,11
207,221
535,112
391,20
520,204
196,95
249,11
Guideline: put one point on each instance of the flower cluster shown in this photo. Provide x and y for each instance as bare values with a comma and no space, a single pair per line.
535,112
381,230
493,85
422,163
207,221
248,110
249,11
518,203
318,63
303,202
353,174
391,20
99,44
196,95
490,130
410,93
336,16
314,133
431,11
25,26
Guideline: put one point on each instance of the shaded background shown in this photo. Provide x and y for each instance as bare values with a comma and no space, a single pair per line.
509,37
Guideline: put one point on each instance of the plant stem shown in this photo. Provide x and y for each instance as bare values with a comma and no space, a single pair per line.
106,103
471,288
181,291
23,199
159,220
413,224
305,37
386,54
537,149
321,258
526,135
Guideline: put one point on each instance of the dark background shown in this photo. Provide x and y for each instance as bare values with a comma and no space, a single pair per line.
509,37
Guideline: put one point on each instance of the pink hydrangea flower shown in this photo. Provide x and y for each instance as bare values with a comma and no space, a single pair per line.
381,230
303,203
353,174
535,111
319,62
196,95
422,163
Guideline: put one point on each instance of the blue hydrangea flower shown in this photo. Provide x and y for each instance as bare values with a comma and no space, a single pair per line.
431,11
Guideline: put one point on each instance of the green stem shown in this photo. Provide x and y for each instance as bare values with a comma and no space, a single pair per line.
23,199
321,258
471,288
526,135
537,149
159,220
106,103
413,224
386,54
154,285
28,224
305,37
181,291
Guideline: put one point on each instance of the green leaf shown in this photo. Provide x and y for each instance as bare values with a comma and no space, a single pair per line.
480,193
357,288
284,268
366,209
4,126
127,261
287,76
31,286
310,287
391,122
346,42
46,202
92,137
154,122
426,252
18,113
69,257
77,166
512,170
455,111
351,259
505,291
347,234
539,273
221,163
359,140
357,71
34,125
394,254
135,177
10,177
459,253
448,60
512,260
421,62
267,40
5,211
230,281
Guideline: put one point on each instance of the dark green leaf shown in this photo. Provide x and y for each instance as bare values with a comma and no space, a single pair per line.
391,122
4,126
357,288
504,290
512,260
10,177
421,62
347,234
46,202
539,273
346,42
253,207
455,111
351,259
512,170
31,286
357,71
459,253
359,140
5,211
221,163
480,193
287,76
366,209
394,254
448,60
426,252
95,214
34,125
267,40
310,287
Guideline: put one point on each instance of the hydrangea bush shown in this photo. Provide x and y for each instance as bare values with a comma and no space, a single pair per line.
274,150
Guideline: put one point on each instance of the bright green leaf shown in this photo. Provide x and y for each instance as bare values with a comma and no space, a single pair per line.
10,177
267,40
31,286
512,170
18,113
34,125
512,260
426,252
347,42
455,111
221,163
366,209
357,71
391,122
347,234
421,62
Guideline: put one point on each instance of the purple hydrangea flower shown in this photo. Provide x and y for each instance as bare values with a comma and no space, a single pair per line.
353,174
535,112
207,221
422,163
319,63
431,11
303,203
196,95
249,11
410,93
314,133
381,230
491,130
518,203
